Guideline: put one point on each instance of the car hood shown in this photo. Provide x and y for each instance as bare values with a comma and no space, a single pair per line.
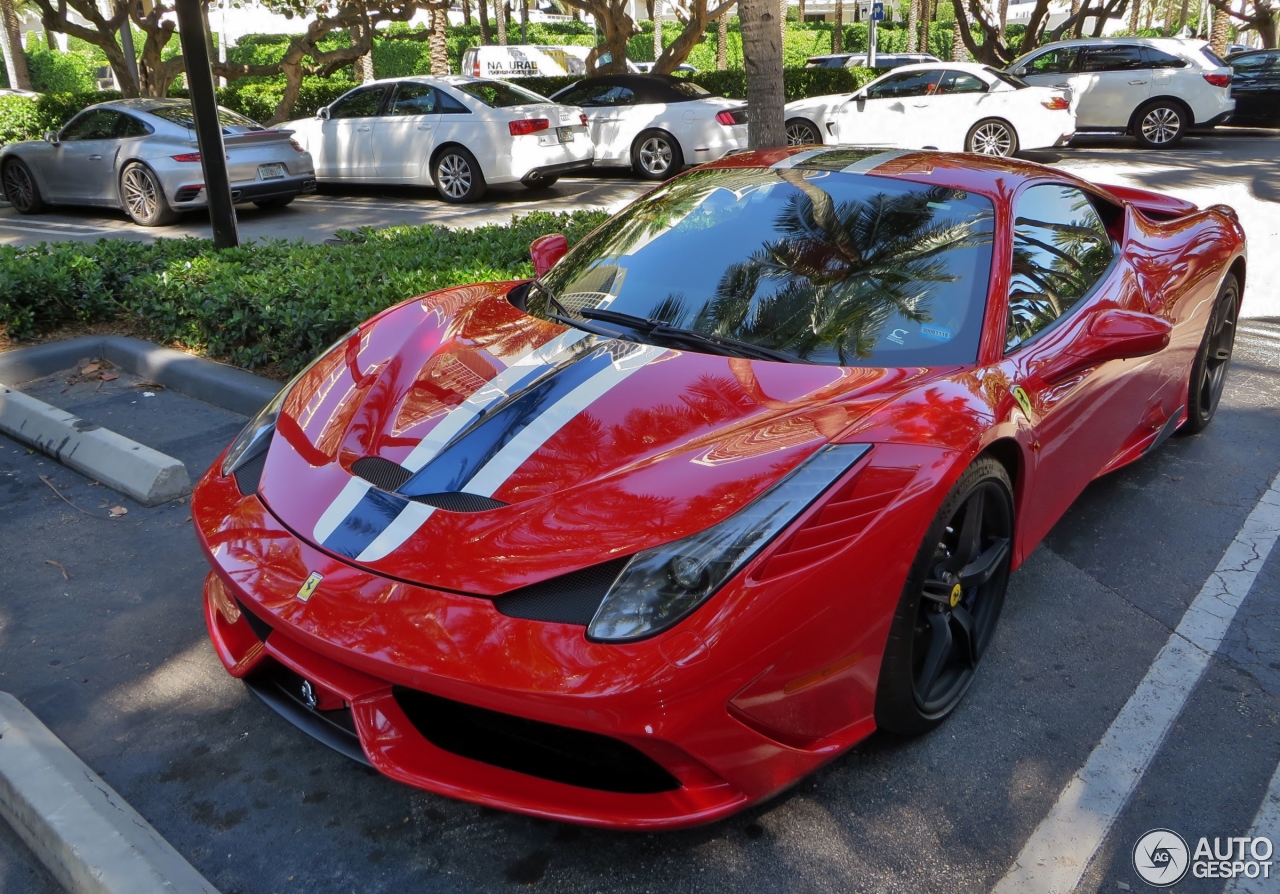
460,443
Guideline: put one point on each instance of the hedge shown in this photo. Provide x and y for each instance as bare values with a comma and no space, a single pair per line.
271,303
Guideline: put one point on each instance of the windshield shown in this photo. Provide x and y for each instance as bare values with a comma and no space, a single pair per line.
827,267
181,115
1012,80
500,94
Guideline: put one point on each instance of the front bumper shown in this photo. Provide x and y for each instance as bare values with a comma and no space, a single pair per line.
385,660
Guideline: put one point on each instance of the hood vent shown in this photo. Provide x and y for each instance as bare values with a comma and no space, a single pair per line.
386,475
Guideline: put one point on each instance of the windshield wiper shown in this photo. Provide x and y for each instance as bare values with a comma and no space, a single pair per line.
723,343
563,315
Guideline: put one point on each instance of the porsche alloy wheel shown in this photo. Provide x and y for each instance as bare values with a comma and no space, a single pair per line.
143,198
21,190
950,605
1160,125
457,176
992,137
1209,374
656,155
802,133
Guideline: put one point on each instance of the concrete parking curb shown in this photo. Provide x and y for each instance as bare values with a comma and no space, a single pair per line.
215,383
89,839
146,475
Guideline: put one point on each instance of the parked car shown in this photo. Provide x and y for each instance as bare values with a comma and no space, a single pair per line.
953,106
1153,88
884,61
1255,87
656,124
739,480
461,134
141,155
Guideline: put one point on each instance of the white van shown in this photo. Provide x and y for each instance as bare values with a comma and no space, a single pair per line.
529,61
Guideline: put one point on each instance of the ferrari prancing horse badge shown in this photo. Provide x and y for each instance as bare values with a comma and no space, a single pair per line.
309,586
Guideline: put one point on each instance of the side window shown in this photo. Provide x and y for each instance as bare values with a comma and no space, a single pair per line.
1160,59
1113,58
1060,61
361,104
450,106
910,83
129,126
413,99
99,124
959,82
1060,251
615,96
1253,65
578,96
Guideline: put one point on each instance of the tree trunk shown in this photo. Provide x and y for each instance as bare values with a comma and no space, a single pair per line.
927,12
466,13
1134,10
762,58
500,17
439,42
655,14
1004,17
1221,31
1182,16
913,26
800,12
958,53
524,21
782,20
15,60
722,41
837,36
486,35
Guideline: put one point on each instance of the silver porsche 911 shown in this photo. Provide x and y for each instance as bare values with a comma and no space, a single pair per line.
141,155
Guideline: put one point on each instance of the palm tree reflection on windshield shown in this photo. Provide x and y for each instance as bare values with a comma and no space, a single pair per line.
840,272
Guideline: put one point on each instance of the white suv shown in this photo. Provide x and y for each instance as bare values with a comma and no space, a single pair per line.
1152,88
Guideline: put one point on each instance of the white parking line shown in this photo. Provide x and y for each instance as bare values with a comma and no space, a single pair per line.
1055,857
1265,825
52,227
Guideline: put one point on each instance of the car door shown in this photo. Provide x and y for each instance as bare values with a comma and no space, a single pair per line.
953,110
613,122
405,132
1065,268
1056,67
1255,86
1114,79
81,167
346,138
889,111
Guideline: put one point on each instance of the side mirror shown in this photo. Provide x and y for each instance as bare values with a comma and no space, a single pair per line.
323,113
1112,335
545,251
51,137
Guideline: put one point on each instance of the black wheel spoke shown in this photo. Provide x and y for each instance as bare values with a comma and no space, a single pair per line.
939,651
982,568
938,591
970,533
966,643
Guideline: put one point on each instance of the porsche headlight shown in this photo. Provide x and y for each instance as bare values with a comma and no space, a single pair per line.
660,586
256,436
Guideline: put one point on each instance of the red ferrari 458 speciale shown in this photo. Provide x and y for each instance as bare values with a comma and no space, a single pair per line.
736,481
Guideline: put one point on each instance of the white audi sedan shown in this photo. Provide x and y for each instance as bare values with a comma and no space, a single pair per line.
460,134
951,106
656,124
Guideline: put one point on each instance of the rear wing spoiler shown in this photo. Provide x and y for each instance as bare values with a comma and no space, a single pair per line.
255,136
1152,204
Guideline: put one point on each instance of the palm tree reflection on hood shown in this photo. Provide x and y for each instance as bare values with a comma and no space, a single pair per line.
840,272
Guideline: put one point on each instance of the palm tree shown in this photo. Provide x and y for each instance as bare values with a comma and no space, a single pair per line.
15,60
762,58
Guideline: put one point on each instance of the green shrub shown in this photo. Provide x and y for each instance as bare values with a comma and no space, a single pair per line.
265,303
53,72
24,119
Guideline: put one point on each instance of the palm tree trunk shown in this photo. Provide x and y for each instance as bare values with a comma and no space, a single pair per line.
913,26
466,13
762,58
500,14
439,40
15,60
657,29
958,53
837,36
800,11
782,19
722,41
1221,31
1182,16
1135,7
524,21
486,35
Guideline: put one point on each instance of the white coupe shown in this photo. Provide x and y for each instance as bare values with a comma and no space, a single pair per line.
459,133
951,106
656,124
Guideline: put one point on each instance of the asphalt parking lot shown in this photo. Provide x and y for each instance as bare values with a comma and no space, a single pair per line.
101,635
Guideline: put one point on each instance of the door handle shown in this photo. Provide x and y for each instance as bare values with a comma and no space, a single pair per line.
95,158
1137,83
424,127
363,129
1060,85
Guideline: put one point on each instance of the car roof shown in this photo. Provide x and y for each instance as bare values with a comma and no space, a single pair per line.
976,68
1173,44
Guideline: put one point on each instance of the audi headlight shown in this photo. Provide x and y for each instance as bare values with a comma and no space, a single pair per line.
256,436
660,586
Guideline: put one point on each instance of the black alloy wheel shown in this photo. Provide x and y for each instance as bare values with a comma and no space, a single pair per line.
20,188
1209,374
950,605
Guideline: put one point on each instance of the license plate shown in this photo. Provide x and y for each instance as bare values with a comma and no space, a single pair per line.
565,134
270,172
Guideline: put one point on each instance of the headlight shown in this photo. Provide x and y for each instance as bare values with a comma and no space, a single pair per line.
256,436
660,586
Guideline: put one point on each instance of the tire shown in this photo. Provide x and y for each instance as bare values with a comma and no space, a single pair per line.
277,202
541,183
1209,372
457,176
142,197
1160,124
801,133
20,188
656,155
992,136
937,609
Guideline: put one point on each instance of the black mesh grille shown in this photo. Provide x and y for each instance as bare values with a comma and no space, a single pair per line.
568,599
558,753
261,628
249,474
386,475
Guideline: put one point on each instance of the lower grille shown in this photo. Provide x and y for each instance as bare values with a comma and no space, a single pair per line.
281,689
557,753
